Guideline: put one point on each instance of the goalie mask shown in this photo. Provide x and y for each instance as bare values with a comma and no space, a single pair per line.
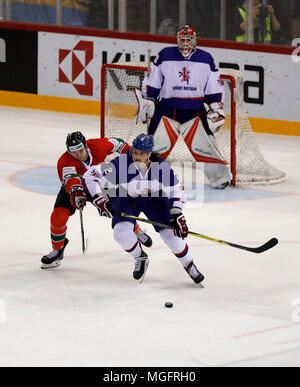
187,40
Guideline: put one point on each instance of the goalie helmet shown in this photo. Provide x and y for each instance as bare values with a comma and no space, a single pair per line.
75,141
187,40
143,142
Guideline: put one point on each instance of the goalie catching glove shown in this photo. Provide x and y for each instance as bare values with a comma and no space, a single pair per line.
145,107
179,223
104,205
215,116
77,196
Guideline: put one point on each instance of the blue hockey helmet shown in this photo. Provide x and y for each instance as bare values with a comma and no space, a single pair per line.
143,142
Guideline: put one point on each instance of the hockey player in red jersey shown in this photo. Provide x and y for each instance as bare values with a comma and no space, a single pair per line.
81,154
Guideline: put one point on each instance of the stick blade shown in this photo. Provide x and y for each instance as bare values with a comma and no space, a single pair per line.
260,249
268,245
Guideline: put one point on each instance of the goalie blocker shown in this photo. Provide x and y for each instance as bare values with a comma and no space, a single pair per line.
203,148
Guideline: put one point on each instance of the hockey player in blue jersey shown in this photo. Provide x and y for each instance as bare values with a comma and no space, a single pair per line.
141,181
183,94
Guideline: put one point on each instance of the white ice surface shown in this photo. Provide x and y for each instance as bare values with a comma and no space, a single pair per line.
90,311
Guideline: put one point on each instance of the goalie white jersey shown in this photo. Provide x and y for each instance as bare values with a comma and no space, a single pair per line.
183,83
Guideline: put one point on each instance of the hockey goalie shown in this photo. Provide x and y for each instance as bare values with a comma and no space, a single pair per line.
183,94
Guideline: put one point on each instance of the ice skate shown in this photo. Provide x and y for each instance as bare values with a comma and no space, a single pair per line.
144,238
194,273
140,267
54,258
223,186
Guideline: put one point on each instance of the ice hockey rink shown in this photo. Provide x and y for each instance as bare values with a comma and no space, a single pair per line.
91,312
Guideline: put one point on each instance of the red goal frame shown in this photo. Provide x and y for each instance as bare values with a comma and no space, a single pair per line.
230,78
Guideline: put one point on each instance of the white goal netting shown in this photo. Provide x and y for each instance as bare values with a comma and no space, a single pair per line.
235,140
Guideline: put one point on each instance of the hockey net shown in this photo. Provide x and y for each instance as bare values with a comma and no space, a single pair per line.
236,140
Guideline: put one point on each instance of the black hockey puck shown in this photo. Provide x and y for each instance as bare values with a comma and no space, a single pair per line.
169,305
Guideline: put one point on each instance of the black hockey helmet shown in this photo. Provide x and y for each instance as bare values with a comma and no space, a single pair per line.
75,141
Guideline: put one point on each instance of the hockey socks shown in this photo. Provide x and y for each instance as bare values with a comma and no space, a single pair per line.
125,236
177,245
127,239
58,228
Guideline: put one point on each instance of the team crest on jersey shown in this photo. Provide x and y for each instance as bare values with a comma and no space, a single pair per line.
95,173
184,75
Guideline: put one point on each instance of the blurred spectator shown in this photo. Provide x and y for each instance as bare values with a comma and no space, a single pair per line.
231,6
138,15
295,17
44,11
97,13
204,16
167,17
265,22
282,11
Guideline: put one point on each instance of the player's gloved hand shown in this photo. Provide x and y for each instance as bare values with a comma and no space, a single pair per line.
104,205
179,223
77,196
215,116
145,108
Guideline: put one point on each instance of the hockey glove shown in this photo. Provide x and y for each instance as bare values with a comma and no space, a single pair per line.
104,205
77,196
179,223
145,108
215,116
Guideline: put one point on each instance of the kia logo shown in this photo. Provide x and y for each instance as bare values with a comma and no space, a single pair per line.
72,67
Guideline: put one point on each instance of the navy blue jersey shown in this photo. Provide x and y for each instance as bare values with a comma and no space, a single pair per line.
122,178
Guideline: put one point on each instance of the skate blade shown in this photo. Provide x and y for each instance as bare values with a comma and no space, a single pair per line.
146,267
50,265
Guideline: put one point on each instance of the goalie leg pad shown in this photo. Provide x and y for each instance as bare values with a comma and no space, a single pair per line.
217,174
203,149
166,136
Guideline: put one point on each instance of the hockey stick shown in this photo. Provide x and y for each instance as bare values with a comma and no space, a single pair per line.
260,249
84,243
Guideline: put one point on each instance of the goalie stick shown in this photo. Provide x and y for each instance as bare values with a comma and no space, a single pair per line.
260,249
